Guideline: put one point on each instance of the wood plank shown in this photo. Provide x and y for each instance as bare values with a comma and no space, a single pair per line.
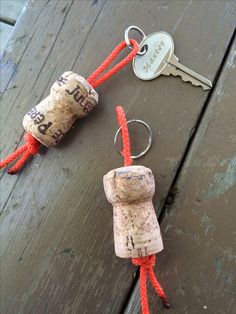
5,31
19,41
198,265
56,223
12,9
28,82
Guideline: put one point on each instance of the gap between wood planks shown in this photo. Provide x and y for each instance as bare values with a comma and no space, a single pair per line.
7,20
170,198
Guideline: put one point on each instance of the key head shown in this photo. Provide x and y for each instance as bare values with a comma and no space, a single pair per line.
160,48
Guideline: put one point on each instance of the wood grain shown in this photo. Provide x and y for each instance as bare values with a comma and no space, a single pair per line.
57,252
11,9
198,265
5,31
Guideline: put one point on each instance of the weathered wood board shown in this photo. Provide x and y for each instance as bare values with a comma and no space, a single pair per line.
199,262
9,12
5,31
57,252
11,9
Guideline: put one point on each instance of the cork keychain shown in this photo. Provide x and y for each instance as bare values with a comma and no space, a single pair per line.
71,97
136,230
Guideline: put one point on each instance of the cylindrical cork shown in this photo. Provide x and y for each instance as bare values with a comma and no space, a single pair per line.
71,97
136,229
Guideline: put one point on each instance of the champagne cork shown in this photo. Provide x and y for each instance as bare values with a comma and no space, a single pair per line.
71,97
136,229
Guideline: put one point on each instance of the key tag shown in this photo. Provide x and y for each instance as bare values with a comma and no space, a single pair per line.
71,97
136,230
157,57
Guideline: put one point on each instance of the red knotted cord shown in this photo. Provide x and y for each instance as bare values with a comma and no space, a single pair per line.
148,262
31,147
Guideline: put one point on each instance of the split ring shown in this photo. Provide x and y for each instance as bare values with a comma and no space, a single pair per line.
144,49
149,138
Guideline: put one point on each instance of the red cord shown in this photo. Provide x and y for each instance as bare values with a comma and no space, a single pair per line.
146,267
146,263
93,78
125,135
143,290
158,288
31,147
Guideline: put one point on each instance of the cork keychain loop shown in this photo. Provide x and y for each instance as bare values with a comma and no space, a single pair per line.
93,78
70,95
130,190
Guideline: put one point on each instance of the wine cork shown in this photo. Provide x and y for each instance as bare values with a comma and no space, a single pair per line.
71,97
136,229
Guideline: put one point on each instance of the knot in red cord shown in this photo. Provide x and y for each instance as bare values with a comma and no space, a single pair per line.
31,147
32,144
146,262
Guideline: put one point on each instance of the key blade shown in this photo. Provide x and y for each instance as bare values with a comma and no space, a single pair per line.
206,84
189,75
172,70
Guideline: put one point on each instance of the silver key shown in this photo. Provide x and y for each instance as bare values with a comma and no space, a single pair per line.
160,59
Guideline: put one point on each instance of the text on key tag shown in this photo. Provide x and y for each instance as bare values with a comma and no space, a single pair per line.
159,46
160,59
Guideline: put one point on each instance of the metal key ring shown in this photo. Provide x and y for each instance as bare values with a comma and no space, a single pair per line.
140,53
149,139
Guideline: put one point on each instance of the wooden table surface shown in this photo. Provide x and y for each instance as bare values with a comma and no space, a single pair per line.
57,252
